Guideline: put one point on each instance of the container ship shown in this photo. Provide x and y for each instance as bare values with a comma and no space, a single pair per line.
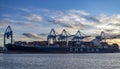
60,43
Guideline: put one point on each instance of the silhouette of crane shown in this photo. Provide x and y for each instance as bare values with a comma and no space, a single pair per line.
8,34
51,37
78,36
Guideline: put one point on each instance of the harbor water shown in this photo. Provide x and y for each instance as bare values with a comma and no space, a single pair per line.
60,61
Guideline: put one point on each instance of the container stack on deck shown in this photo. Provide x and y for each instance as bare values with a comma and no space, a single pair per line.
61,43
70,44
34,43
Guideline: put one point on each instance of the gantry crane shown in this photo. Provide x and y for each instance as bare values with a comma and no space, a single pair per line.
78,36
51,38
99,38
8,34
64,35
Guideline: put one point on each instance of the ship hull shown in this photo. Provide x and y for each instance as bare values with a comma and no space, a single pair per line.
52,49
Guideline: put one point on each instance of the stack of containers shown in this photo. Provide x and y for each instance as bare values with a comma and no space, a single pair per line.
71,43
43,43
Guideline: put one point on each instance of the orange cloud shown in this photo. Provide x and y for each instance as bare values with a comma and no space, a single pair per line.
114,41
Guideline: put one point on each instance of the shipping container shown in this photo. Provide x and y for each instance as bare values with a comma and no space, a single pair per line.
43,43
20,43
71,43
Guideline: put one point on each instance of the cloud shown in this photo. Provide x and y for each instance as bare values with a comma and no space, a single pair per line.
113,36
60,23
91,18
71,20
78,12
116,36
78,19
6,22
31,35
34,17
43,34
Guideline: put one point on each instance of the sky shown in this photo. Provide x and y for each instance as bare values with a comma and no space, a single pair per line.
33,19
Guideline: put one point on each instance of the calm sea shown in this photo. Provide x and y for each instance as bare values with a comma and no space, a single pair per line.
60,61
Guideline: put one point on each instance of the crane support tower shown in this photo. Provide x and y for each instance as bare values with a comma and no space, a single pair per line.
101,36
51,38
63,36
8,34
78,36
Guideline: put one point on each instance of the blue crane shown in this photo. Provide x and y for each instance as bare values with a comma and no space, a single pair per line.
52,36
8,34
101,36
63,36
78,36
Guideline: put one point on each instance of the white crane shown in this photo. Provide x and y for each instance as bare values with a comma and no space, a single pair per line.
99,38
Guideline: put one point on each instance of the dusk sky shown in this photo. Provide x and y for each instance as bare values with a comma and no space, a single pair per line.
33,19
